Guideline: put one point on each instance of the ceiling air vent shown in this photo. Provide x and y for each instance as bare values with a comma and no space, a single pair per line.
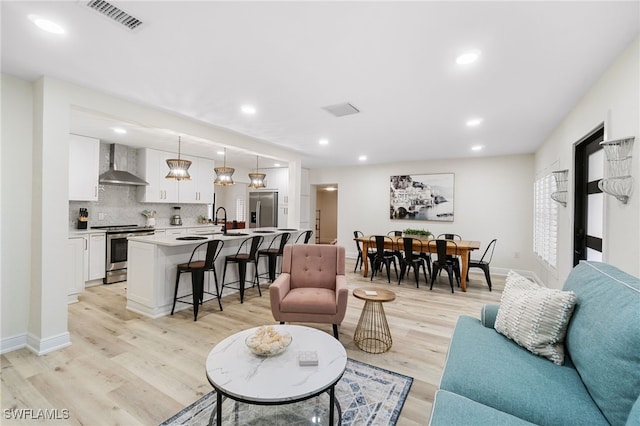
115,13
340,110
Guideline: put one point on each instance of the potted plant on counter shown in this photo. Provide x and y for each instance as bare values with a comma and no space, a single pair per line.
151,217
419,234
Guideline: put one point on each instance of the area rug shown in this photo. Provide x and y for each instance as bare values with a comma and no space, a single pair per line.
368,395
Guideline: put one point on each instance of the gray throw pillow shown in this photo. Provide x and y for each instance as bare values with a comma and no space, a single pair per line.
535,317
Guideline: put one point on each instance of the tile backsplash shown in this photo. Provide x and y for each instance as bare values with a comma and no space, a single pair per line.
118,205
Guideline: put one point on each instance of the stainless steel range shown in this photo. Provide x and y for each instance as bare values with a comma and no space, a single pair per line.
116,264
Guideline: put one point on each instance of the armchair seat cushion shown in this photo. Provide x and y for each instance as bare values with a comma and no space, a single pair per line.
310,300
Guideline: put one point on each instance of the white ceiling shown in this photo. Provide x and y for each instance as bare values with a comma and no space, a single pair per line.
395,61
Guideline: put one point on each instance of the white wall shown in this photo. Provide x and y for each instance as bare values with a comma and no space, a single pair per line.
15,225
614,101
493,199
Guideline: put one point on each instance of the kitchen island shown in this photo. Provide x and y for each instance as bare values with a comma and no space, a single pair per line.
153,260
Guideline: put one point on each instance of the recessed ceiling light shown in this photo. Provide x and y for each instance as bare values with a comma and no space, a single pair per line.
276,165
220,152
120,130
477,148
468,57
362,158
46,24
331,188
323,141
474,122
248,109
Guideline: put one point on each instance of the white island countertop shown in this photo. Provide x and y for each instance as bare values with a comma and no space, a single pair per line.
203,236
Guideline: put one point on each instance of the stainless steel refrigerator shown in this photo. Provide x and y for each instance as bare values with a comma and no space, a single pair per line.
263,209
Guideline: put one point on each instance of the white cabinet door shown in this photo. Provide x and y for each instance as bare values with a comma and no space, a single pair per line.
204,182
84,168
187,191
76,249
97,256
198,190
152,165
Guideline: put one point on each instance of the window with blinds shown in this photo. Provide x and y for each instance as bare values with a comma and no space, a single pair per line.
545,233
240,209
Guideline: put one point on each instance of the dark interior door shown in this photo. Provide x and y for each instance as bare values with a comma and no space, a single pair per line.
589,199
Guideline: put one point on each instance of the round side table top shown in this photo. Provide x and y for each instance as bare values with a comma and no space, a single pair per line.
380,296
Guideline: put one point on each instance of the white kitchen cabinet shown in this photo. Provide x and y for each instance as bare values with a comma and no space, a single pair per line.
84,168
76,250
97,256
152,166
198,190
175,231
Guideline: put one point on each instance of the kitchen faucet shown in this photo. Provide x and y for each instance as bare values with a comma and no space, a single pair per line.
224,227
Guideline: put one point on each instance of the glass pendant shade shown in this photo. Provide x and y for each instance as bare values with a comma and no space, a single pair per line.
224,174
257,178
178,168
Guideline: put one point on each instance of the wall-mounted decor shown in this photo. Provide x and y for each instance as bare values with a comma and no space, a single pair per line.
422,197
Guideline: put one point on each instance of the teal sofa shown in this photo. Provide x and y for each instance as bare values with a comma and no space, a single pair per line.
490,380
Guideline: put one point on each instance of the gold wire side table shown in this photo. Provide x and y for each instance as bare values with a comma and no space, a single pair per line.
372,333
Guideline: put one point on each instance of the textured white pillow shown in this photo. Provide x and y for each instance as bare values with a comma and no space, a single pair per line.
535,317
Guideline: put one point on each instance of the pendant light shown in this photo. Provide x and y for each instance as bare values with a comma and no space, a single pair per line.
178,168
223,174
257,178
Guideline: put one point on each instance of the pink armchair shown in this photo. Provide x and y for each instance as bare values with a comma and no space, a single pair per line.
312,286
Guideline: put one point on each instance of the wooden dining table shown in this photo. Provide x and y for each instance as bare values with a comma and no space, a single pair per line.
462,248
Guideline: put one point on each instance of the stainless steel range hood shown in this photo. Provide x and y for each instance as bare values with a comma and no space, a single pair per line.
114,176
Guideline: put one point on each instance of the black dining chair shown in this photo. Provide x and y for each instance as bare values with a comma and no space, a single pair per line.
273,252
378,256
358,234
484,262
453,237
242,259
197,268
413,259
444,261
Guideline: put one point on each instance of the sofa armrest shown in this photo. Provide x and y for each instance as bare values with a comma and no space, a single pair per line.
342,294
488,315
278,290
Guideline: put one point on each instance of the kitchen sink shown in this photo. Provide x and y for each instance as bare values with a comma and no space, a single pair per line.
190,238
235,234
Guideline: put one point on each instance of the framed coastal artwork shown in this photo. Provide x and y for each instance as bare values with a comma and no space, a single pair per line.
422,197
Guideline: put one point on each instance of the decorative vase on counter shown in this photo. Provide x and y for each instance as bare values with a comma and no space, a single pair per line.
151,222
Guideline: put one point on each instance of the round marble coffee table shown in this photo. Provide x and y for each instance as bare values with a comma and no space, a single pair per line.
236,373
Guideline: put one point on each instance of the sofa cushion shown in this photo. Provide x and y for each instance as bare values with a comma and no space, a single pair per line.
488,368
451,409
310,300
535,317
603,338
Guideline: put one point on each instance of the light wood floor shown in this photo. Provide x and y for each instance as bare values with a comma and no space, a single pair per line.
126,369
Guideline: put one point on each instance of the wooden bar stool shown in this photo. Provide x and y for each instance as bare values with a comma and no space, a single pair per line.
242,259
197,268
273,252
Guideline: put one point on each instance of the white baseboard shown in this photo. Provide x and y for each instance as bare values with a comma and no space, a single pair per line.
44,346
13,343
35,344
